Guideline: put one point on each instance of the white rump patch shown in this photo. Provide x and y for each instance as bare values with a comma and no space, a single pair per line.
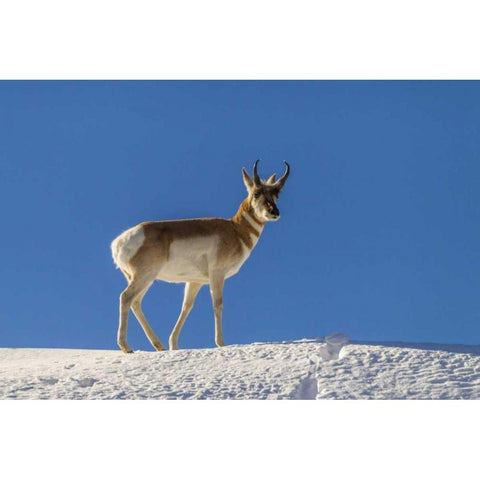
126,245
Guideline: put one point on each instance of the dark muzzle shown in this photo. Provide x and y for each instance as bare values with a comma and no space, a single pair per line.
273,210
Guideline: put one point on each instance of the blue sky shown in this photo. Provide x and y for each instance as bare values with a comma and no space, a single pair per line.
379,235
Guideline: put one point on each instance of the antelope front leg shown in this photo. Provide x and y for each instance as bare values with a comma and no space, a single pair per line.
216,290
191,290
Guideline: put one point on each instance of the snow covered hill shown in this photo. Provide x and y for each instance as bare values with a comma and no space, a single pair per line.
303,369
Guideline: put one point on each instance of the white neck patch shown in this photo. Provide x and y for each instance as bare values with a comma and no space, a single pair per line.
257,227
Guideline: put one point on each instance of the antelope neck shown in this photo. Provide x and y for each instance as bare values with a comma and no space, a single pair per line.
258,227
248,221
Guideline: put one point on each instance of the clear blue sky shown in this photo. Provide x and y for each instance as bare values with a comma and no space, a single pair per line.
380,228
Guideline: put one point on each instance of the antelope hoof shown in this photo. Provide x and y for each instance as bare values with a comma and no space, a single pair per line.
159,347
126,348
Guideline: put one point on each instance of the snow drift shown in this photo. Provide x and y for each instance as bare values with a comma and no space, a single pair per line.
303,369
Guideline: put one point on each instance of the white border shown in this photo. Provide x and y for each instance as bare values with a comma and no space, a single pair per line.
239,439
261,40
253,39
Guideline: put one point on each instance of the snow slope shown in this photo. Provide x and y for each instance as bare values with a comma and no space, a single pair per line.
303,369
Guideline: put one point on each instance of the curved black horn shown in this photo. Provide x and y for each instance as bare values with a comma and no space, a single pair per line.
281,181
256,178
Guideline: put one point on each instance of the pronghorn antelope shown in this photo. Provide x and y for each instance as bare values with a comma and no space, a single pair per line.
195,252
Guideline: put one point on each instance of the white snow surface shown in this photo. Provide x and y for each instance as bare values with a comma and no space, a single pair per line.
302,369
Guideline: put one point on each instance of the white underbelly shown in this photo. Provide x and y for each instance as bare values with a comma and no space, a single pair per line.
189,260
182,272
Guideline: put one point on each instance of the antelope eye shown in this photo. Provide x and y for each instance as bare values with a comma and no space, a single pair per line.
257,195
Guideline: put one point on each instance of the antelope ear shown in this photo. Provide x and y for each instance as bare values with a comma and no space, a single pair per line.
247,180
271,180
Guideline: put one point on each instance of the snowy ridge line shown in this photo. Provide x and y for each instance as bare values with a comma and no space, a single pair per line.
300,369
450,347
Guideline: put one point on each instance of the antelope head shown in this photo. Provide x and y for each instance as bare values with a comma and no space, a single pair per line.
263,195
